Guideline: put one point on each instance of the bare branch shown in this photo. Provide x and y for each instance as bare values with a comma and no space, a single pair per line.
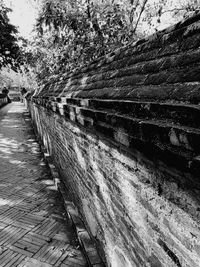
172,10
139,17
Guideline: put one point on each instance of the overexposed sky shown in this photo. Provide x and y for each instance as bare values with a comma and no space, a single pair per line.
25,12
23,15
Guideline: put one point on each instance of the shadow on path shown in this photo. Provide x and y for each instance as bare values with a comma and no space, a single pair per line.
34,229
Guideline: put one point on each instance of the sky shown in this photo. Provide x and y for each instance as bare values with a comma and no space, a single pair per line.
25,12
23,15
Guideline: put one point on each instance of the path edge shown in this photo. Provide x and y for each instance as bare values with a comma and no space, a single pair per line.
86,242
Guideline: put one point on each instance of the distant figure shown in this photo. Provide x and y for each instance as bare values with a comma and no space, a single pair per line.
5,91
23,92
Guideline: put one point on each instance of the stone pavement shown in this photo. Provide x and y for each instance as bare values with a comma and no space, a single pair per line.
34,230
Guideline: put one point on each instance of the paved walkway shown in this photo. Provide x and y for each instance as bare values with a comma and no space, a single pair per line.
33,228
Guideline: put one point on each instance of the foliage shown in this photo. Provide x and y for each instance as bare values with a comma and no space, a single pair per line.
71,33
19,79
9,50
162,13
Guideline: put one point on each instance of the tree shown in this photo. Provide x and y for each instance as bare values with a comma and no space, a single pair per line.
159,14
9,50
72,33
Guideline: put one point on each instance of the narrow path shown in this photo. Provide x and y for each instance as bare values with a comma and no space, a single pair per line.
34,230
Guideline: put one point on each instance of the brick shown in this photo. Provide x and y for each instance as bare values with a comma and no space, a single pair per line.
33,263
127,142
30,212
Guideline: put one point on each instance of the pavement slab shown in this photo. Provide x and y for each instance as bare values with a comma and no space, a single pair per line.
34,228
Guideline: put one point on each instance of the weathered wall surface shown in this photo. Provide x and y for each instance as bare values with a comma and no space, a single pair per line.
124,134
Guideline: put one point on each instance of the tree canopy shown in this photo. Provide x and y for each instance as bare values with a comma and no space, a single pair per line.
9,49
72,33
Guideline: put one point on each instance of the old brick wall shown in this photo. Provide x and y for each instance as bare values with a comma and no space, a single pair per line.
124,135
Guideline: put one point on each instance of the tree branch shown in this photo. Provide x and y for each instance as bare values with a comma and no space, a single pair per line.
172,10
139,17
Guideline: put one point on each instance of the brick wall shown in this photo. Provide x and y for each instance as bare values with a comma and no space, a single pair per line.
124,135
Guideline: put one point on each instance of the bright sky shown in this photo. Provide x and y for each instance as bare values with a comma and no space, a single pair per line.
23,15
25,12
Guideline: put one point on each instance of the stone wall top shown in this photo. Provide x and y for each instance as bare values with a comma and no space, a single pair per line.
145,95
162,67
